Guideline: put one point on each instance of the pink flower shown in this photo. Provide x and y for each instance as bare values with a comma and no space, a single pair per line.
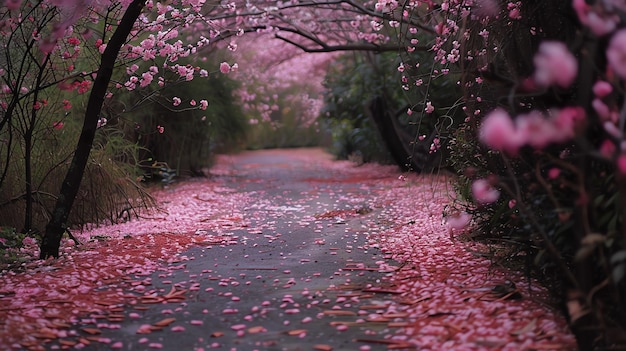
429,107
600,22
602,88
28,241
204,104
146,79
537,131
459,220
515,14
58,125
101,122
553,173
132,69
84,86
73,41
483,192
567,122
224,67
498,132
160,129
601,109
616,53
176,101
554,64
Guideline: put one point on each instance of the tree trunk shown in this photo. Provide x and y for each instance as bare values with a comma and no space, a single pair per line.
69,188
409,154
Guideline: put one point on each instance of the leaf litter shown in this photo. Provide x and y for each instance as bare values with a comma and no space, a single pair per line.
434,293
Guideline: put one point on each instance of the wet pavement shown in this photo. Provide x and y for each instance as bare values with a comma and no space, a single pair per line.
300,271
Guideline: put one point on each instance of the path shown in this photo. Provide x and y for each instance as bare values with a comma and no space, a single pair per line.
286,250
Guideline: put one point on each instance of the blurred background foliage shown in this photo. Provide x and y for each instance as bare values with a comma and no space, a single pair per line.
352,81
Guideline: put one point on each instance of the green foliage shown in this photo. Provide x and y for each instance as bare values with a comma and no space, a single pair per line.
15,246
10,242
287,129
360,144
351,83
110,190
190,136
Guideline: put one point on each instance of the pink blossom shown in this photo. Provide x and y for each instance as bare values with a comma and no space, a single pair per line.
602,88
84,87
148,43
224,67
204,104
599,21
146,79
176,101
567,122
58,125
616,53
612,129
515,14
498,132
27,241
429,107
160,129
459,220
483,192
73,41
601,109
536,130
101,122
554,64
553,173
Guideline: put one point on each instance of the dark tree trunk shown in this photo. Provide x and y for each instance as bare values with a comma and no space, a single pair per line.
408,153
378,111
57,225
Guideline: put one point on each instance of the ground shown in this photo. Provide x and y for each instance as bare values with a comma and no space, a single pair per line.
280,250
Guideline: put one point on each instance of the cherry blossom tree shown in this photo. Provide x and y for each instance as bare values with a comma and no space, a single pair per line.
155,32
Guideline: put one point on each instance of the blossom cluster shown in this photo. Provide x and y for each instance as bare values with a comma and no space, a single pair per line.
500,132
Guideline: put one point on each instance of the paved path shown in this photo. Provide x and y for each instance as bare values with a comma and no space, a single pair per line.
299,274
